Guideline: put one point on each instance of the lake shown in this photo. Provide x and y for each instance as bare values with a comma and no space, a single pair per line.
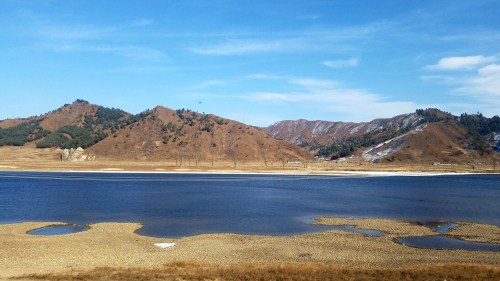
177,205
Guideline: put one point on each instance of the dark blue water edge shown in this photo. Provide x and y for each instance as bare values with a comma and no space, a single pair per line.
58,230
177,205
440,242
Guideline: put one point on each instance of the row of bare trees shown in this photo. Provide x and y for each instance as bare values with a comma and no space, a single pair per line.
192,152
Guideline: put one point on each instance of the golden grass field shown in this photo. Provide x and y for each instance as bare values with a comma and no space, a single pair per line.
190,271
32,159
113,251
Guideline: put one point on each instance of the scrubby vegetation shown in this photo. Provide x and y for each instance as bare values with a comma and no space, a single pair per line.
479,133
190,271
22,133
93,129
432,115
347,146
71,137
480,130
109,117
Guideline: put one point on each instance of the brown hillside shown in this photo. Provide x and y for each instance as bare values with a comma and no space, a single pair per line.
438,142
7,123
184,135
72,114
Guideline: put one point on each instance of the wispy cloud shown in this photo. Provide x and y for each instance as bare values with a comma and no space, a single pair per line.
237,47
141,22
310,17
461,63
131,52
331,97
341,39
59,36
208,84
481,83
353,62
484,84
72,32
264,76
313,84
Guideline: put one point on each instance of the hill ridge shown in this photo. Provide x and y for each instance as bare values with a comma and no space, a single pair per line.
428,135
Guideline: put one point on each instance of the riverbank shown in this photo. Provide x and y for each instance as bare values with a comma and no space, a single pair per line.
47,160
116,245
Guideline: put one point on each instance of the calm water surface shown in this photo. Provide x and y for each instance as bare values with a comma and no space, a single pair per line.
175,205
58,230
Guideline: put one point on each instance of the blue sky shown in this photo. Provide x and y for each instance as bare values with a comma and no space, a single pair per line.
253,61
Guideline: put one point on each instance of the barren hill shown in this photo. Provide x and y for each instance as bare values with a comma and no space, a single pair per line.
72,125
304,132
186,135
161,134
69,114
426,136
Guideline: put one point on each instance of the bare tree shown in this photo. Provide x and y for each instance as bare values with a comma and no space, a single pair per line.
181,152
263,152
306,161
212,147
281,156
197,153
231,151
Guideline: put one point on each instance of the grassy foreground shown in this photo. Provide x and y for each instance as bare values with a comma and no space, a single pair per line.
191,271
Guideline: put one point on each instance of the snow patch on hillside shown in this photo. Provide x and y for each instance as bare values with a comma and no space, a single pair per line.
496,141
384,149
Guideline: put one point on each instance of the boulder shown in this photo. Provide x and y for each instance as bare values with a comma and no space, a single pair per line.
76,155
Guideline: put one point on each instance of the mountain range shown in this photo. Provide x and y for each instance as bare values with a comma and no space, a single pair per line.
425,136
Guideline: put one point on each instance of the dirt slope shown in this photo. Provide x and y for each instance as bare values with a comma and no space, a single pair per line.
189,136
437,142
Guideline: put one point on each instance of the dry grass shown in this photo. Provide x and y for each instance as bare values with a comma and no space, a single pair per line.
191,271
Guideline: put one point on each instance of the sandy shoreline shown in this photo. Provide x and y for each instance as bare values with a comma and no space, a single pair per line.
229,172
117,245
47,160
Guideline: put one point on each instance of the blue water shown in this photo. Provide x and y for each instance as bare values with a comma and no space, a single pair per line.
443,242
176,205
58,230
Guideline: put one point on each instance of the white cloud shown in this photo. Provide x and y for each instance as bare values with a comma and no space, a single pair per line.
461,63
313,83
264,76
329,96
485,84
239,48
481,86
353,62
342,39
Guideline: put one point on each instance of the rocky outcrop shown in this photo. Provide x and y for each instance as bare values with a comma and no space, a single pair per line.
496,141
76,155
